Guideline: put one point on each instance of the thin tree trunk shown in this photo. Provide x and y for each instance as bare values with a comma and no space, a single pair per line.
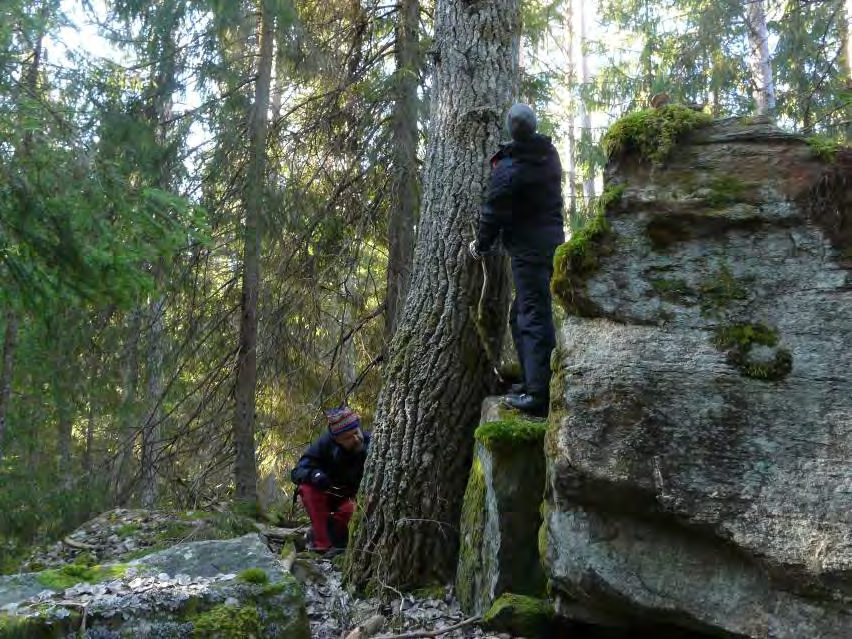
245,463
151,431
844,28
88,459
128,414
585,116
9,342
759,60
64,423
439,370
405,184
571,70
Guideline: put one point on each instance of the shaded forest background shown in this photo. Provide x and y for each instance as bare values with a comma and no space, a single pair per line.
206,236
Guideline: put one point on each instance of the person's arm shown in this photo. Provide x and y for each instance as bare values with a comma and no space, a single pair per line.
309,470
497,210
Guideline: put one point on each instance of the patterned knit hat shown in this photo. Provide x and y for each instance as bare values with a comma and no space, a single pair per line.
341,419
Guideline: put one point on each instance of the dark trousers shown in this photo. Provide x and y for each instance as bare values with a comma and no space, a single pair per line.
531,319
329,513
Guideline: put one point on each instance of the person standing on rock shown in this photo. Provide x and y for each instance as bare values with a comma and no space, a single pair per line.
328,475
524,205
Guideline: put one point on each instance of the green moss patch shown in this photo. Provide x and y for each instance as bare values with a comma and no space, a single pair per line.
253,576
472,526
579,257
673,290
228,622
510,433
653,133
724,191
720,292
73,574
520,615
737,340
127,530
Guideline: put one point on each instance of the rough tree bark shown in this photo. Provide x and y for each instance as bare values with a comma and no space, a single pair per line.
245,462
10,335
759,60
404,185
406,531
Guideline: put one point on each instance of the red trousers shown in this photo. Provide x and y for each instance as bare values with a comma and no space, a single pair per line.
329,513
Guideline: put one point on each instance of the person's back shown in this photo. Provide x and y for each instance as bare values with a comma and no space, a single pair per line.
532,165
524,205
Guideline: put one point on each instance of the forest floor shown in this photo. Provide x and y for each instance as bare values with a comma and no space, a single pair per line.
124,534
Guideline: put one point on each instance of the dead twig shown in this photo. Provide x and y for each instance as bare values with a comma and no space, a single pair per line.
79,545
417,634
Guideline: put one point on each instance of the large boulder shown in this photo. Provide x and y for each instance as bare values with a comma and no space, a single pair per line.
501,511
700,447
219,588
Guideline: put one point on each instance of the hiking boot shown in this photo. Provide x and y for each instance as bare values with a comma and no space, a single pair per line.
517,389
529,404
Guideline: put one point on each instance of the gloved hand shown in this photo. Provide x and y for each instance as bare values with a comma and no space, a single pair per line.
474,252
320,479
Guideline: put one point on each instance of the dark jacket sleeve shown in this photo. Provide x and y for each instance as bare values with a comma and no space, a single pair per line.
497,210
313,459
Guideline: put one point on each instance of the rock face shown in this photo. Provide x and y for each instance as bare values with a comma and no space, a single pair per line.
223,588
501,512
700,446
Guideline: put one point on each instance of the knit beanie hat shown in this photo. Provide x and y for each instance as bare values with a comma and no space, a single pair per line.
521,122
341,419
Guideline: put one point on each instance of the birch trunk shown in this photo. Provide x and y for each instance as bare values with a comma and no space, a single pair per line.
759,60
406,533
585,116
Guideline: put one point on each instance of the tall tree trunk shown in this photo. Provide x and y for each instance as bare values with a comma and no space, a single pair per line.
88,459
10,335
585,116
759,60
404,181
571,72
439,370
163,87
121,471
844,27
245,463
62,394
151,430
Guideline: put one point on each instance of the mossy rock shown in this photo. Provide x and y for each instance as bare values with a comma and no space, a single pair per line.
509,433
520,615
741,341
578,258
653,133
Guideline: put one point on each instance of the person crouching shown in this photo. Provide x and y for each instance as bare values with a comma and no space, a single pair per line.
328,475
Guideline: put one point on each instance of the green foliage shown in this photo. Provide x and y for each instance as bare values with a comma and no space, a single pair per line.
253,576
228,622
510,433
653,133
720,292
127,530
72,574
824,148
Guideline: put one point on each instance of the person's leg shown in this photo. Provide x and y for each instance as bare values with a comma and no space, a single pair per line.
316,502
535,322
516,336
340,522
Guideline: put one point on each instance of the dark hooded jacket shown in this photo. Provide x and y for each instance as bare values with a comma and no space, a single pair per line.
525,199
342,469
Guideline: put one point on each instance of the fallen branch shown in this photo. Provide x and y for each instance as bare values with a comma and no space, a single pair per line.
432,633
79,545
